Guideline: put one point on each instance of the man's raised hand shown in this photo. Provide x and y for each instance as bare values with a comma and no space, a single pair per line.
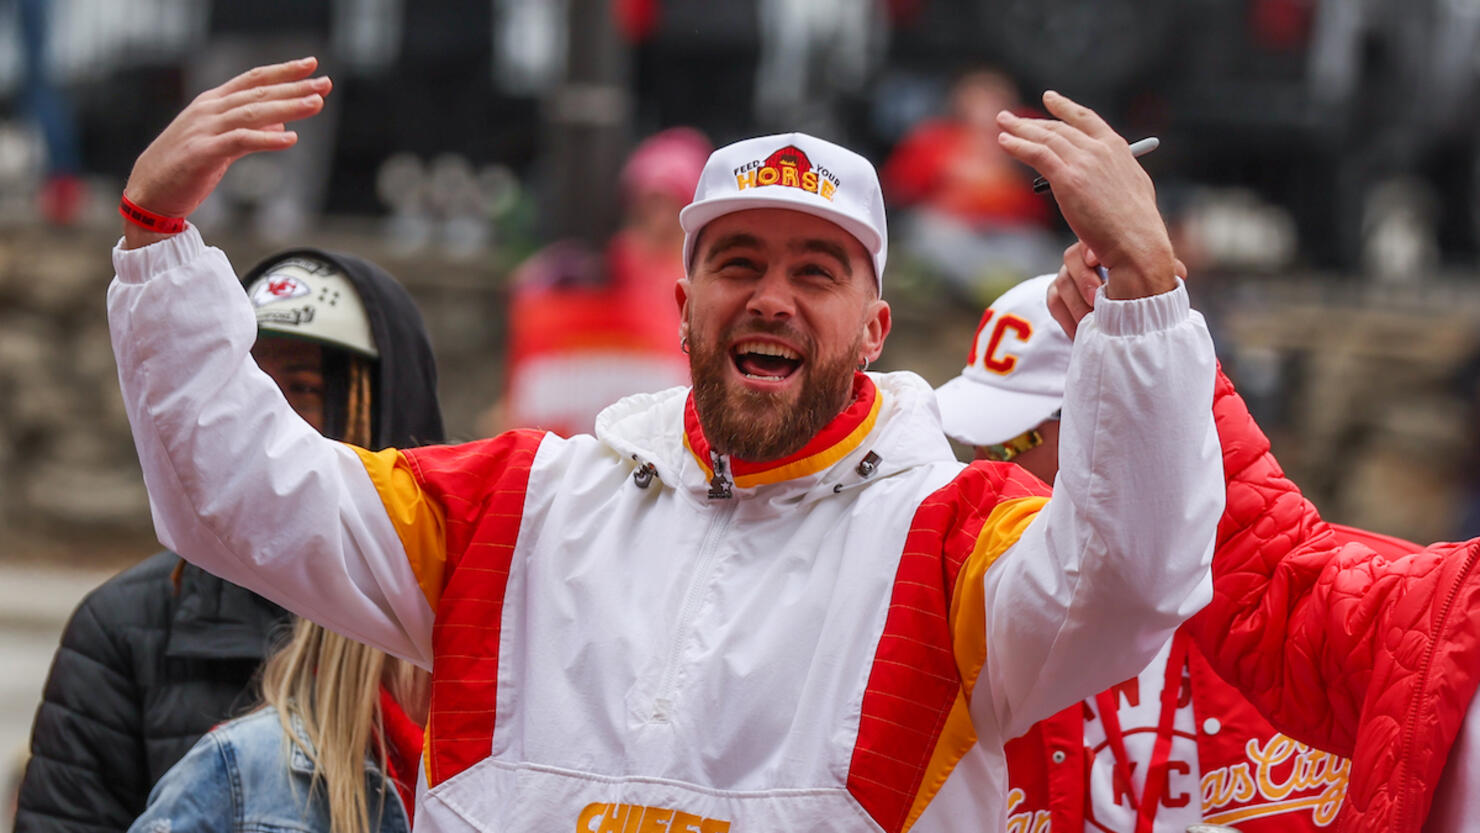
1105,195
247,114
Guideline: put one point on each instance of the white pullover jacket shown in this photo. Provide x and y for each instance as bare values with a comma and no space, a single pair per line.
628,633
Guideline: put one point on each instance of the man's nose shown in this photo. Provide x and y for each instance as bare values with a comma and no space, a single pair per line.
771,296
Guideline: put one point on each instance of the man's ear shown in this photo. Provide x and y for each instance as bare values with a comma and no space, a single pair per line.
681,296
876,329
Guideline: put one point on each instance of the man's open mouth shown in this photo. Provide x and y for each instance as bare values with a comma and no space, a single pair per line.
765,361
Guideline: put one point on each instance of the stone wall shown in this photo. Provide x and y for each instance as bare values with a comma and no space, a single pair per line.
1373,397
64,445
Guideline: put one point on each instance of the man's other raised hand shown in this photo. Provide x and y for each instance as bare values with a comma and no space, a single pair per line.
1105,195
247,114
1071,295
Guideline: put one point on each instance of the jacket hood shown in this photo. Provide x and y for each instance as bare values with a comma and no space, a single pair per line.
892,425
406,410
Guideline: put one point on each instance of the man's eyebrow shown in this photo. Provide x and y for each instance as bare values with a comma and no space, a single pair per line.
737,240
826,247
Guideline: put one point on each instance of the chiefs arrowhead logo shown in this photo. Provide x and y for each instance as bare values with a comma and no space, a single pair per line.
278,287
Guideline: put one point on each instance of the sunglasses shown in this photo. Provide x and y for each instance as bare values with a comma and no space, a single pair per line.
1006,452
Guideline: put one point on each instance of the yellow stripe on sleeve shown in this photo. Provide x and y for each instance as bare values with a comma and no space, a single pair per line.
956,739
1001,530
1003,527
419,520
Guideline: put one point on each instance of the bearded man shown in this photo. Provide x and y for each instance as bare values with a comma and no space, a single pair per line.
776,603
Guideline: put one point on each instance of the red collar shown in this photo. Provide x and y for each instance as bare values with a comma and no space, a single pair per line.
845,433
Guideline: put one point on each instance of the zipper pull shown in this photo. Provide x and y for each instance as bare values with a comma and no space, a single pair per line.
645,473
719,485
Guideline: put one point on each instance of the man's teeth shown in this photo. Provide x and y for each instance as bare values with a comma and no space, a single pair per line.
767,348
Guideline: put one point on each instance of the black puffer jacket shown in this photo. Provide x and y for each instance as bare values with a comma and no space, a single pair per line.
160,653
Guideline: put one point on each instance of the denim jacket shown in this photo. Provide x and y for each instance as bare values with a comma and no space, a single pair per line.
234,781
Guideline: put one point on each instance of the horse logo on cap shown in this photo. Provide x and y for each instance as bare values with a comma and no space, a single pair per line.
788,167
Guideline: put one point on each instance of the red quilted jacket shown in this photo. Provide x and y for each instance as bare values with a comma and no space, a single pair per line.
1342,639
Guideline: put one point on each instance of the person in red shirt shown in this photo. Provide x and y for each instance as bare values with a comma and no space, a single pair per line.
971,207
587,328
1173,746
1344,639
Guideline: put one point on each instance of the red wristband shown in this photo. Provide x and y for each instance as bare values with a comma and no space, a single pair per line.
146,219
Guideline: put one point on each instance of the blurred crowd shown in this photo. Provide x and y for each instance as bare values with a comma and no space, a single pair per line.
1298,137
1295,132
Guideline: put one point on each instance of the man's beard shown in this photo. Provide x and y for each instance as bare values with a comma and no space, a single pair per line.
757,426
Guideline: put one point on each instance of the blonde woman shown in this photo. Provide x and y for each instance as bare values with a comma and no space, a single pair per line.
333,749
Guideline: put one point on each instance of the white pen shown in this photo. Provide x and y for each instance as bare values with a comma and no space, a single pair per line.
1138,149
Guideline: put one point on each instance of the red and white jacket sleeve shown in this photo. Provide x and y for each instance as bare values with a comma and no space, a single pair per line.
1119,557
238,482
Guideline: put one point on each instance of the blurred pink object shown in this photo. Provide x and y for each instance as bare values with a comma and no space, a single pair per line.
61,199
666,163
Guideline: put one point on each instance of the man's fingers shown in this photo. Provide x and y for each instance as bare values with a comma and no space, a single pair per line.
246,140
1071,293
1074,301
259,115
1079,269
1047,134
1062,138
320,85
1066,305
1179,268
1089,287
1035,155
1076,114
270,74
1061,313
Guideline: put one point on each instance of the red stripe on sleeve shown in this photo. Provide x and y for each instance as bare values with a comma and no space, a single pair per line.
914,681
482,485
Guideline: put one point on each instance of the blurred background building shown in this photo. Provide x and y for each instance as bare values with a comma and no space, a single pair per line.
1320,168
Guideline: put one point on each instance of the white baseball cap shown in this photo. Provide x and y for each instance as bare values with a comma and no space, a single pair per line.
311,299
1014,375
795,171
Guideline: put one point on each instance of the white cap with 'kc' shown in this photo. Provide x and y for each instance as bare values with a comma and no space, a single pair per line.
795,171
1014,375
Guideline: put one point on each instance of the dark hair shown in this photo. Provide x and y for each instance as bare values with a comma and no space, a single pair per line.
349,397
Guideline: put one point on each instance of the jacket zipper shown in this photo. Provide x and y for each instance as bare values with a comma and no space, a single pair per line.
719,524
1428,661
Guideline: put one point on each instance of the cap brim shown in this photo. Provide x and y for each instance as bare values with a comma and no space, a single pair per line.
978,415
298,334
697,215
